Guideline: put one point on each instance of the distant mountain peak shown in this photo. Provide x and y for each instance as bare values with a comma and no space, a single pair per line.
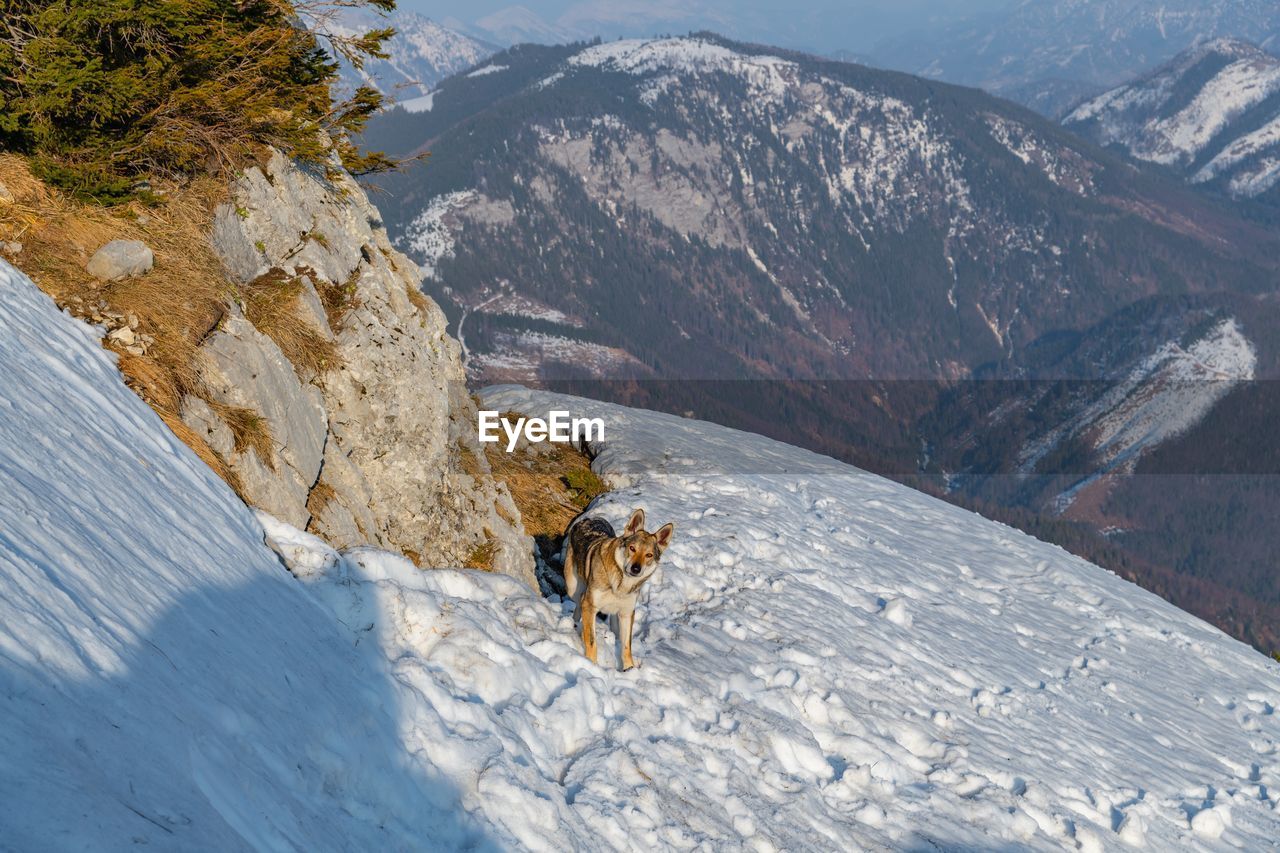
420,54
1049,54
1212,113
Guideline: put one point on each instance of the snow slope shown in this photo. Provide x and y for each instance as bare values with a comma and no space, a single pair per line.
828,660
163,680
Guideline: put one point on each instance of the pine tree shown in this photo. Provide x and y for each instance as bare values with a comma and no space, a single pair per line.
104,94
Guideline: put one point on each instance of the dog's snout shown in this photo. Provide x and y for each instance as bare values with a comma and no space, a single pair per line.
634,569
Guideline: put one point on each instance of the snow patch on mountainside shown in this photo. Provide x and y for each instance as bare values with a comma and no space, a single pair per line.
419,55
1231,92
524,355
487,69
686,55
1254,178
1220,115
1169,392
1064,167
878,140
428,237
420,105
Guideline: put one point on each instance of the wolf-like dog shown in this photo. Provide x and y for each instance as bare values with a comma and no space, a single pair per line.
603,573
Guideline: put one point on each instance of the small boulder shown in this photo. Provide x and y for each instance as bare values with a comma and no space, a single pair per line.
124,336
121,259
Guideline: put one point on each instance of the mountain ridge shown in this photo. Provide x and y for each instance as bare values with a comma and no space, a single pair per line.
1050,54
1212,115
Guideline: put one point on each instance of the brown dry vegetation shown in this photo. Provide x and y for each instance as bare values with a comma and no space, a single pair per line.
338,300
550,488
249,431
481,556
419,300
178,303
319,497
271,305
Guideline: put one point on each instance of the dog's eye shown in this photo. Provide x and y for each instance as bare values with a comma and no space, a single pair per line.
631,548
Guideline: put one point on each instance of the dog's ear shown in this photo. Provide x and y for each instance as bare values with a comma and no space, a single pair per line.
664,534
634,523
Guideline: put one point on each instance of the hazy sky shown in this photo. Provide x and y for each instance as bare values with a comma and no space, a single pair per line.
824,25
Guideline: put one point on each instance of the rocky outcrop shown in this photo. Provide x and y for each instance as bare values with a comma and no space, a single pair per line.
377,446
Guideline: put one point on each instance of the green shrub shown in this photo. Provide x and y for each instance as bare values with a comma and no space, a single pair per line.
583,485
104,94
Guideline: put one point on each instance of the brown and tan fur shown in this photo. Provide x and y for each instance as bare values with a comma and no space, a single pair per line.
603,573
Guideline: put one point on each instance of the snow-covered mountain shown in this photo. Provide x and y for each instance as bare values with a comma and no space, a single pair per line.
827,659
1049,54
419,55
1212,114
815,192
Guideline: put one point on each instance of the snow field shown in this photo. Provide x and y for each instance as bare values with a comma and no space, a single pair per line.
828,660
893,671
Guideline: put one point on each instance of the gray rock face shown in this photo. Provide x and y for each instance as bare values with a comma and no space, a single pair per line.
121,259
243,368
377,450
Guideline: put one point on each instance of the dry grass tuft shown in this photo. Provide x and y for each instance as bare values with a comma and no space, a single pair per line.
338,300
320,496
549,488
271,305
481,556
419,300
469,462
249,431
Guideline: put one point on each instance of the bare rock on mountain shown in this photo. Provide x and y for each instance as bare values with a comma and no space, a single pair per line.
396,466
246,372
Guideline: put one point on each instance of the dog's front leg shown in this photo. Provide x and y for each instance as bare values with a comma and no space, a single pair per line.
626,620
587,605
570,575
